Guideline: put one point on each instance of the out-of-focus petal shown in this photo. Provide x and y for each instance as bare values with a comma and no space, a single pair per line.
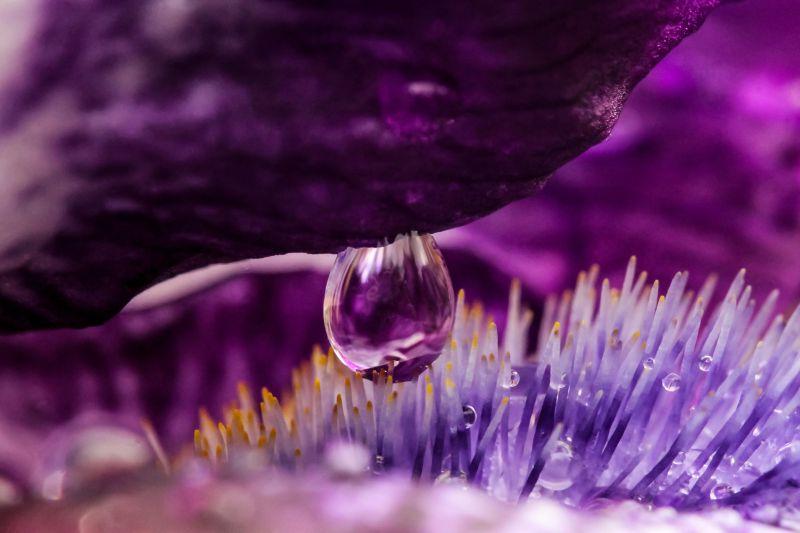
307,503
165,362
702,171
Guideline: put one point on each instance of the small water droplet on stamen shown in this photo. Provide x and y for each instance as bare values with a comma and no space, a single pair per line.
512,380
705,363
671,382
447,478
378,464
470,416
556,473
721,491
649,363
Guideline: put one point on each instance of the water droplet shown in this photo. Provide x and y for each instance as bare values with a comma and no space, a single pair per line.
789,451
705,363
679,458
721,491
558,382
391,304
671,382
470,416
649,363
378,464
749,469
347,459
11,492
416,107
556,474
512,380
447,478
79,456
582,395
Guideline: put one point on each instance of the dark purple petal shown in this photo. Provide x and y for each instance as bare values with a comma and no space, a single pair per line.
153,137
702,172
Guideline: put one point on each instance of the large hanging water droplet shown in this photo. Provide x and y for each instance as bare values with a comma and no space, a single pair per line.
391,304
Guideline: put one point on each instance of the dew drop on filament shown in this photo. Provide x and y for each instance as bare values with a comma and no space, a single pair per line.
447,478
671,382
512,380
721,491
390,304
470,416
556,473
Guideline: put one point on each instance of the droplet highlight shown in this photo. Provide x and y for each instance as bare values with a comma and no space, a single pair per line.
392,304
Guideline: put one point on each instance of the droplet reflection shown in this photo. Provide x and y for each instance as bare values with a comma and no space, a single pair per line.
391,304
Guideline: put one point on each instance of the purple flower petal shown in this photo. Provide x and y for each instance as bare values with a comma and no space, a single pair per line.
702,171
149,138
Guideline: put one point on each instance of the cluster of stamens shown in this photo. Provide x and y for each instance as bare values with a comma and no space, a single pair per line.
631,394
